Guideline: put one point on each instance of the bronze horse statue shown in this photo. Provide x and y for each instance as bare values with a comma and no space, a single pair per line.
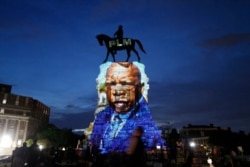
113,45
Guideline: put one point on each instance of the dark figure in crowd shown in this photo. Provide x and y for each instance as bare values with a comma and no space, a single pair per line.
233,162
189,155
91,152
119,35
34,154
53,155
20,156
136,149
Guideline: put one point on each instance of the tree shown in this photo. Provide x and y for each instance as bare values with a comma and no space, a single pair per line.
49,135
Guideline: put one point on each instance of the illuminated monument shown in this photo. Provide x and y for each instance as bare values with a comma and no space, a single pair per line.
123,102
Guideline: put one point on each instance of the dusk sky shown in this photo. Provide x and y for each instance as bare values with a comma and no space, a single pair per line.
197,56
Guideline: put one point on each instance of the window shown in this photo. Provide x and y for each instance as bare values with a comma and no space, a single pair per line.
17,100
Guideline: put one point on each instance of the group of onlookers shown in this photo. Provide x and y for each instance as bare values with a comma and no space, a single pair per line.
26,156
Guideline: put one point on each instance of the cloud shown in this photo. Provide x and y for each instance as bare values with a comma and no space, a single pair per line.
73,116
211,99
73,121
227,40
73,108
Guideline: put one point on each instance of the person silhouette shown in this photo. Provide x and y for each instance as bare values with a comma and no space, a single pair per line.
136,150
20,156
119,35
34,154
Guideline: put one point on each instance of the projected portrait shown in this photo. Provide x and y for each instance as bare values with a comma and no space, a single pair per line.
126,109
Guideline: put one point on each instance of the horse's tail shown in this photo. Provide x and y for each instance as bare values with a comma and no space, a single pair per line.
140,45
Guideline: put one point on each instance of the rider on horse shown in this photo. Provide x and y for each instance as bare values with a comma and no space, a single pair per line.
119,35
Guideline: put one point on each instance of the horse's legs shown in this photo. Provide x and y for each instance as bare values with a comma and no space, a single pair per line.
113,55
107,55
138,57
128,54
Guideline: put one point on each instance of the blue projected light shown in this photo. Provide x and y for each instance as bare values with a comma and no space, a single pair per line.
139,116
126,108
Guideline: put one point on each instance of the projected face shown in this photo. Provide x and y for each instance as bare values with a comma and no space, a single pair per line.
123,86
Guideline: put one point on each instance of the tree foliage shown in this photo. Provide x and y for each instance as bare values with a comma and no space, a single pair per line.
51,136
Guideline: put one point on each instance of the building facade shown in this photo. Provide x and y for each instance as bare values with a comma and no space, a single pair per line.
202,134
20,117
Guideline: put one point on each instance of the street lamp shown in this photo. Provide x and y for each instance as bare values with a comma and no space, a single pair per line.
210,162
6,141
192,144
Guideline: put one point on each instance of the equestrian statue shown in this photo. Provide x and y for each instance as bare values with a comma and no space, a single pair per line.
116,44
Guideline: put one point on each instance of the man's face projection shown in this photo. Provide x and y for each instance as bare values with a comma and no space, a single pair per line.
123,86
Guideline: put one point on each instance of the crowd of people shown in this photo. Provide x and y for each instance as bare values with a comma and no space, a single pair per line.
26,156
33,156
